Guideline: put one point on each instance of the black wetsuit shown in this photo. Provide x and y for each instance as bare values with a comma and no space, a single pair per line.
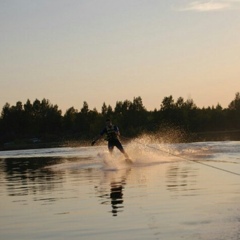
112,137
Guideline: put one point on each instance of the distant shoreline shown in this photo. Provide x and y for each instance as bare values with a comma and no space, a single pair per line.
233,135
56,144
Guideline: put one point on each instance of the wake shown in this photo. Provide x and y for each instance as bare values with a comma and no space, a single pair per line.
143,151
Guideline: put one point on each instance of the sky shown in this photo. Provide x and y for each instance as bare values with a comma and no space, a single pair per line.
104,51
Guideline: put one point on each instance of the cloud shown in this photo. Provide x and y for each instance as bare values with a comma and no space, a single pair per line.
207,6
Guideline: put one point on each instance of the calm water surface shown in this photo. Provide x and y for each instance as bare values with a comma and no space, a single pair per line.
83,193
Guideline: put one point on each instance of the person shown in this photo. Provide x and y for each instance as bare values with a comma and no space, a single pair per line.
112,136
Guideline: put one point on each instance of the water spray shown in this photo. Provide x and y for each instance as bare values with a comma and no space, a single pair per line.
184,158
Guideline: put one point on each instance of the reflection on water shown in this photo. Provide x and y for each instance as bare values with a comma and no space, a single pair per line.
28,176
116,196
111,190
77,198
182,179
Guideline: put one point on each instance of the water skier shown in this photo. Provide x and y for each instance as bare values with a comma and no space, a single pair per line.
112,136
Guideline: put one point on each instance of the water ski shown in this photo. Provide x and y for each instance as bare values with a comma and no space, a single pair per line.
128,160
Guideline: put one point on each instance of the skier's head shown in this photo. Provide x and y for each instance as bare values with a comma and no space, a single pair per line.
108,122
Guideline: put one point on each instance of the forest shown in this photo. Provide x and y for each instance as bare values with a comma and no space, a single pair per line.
42,122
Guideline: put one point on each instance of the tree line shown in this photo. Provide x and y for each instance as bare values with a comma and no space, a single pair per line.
45,121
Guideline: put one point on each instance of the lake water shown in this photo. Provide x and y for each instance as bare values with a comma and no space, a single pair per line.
171,191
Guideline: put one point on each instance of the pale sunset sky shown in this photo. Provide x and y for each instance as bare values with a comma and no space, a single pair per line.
71,51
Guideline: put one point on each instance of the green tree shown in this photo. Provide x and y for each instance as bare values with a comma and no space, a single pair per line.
234,112
69,117
82,121
85,108
235,104
104,109
167,103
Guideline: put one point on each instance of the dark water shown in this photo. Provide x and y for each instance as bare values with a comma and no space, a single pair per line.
181,191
